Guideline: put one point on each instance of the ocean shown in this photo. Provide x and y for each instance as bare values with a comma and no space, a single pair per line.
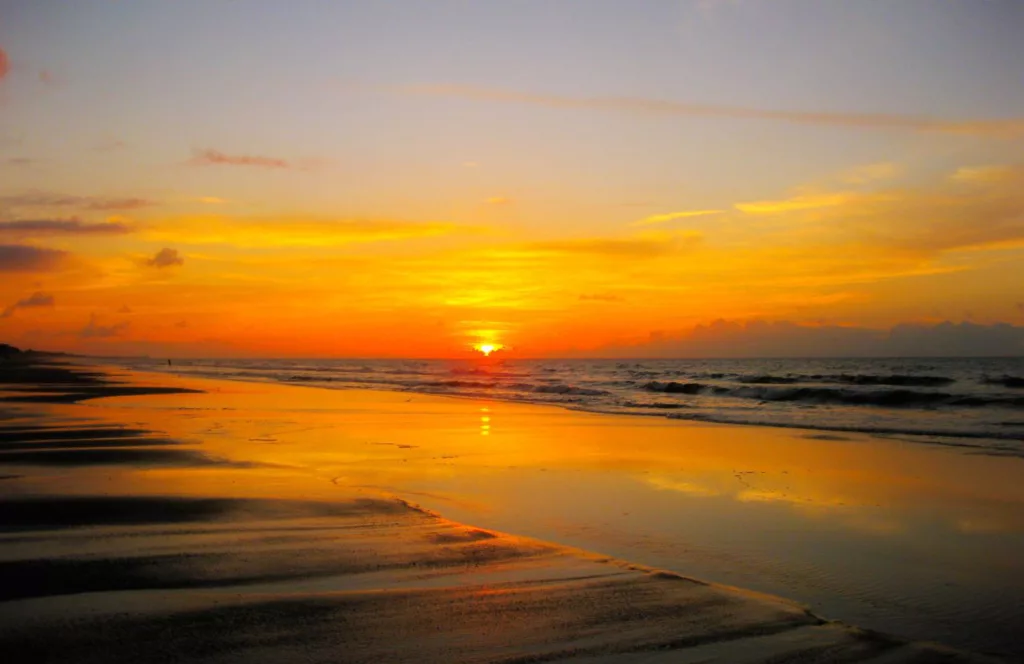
953,401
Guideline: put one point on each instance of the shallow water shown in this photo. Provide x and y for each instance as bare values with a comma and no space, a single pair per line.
922,541
973,402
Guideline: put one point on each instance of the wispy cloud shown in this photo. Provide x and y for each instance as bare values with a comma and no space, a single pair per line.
216,158
27,258
672,216
47,77
50,199
974,208
801,202
39,227
93,330
601,297
110,145
647,246
986,175
38,299
996,128
869,173
289,232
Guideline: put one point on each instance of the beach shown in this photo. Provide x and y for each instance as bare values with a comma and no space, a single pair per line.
154,517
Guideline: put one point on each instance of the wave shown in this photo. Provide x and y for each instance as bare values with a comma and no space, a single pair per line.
1005,381
835,395
673,387
488,373
895,380
662,405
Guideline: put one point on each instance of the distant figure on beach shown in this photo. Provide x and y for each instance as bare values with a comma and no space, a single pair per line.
168,362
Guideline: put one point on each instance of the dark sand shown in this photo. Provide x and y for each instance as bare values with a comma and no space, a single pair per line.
94,570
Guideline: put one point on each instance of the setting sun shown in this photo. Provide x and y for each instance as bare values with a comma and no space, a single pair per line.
487,349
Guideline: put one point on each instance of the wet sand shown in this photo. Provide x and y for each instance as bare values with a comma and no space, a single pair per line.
150,518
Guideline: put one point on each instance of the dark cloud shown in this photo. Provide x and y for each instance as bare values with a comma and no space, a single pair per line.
26,258
37,299
787,339
51,199
214,158
166,258
62,227
92,330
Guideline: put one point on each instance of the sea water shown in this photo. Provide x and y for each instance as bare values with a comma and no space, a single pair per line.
958,401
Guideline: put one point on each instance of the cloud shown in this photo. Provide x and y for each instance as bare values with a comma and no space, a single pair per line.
801,202
125,309
760,338
211,200
1003,128
601,297
5,66
166,258
921,221
216,158
985,174
36,227
251,233
92,330
26,258
498,200
648,246
671,216
50,199
871,173
23,162
110,145
37,299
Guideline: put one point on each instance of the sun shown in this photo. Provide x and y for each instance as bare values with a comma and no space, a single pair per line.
487,349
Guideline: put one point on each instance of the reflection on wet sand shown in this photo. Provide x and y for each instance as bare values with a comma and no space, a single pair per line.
253,521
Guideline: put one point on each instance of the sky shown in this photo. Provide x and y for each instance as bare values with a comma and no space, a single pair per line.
574,178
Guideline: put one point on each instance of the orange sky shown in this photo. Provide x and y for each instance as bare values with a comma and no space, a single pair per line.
329,197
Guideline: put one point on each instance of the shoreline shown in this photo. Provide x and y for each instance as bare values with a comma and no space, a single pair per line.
473,545
999,442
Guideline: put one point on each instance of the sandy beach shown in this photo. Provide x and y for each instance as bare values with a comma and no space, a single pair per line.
151,518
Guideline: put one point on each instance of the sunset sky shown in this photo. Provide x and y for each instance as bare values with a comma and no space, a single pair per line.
413,178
